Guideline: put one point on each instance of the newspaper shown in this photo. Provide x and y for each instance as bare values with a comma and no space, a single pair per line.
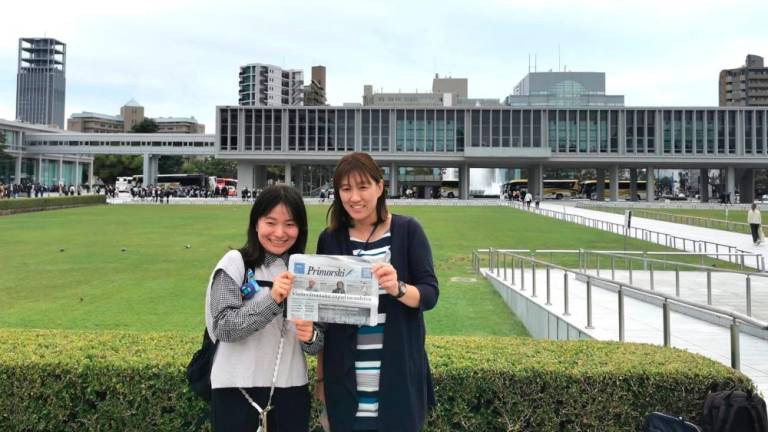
333,289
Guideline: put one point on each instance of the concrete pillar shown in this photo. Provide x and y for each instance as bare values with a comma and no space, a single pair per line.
60,174
288,178
650,185
300,179
704,185
633,184
146,170
393,172
536,180
614,186
17,171
730,183
40,169
78,174
600,184
244,176
464,182
747,186
260,176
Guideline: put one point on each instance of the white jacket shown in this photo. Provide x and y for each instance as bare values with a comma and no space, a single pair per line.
753,217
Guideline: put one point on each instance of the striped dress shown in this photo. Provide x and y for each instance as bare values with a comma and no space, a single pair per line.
370,341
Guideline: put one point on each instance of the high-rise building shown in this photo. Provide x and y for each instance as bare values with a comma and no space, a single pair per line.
314,93
264,84
40,81
745,86
565,89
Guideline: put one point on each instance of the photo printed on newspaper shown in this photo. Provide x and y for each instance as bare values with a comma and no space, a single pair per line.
333,289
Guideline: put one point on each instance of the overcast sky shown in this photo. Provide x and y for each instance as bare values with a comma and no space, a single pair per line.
181,58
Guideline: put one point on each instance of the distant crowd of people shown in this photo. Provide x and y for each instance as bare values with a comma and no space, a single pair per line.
524,197
37,190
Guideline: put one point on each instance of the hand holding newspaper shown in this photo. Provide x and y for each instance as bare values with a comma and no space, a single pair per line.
333,289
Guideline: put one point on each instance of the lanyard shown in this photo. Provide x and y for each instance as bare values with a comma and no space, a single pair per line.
263,411
368,240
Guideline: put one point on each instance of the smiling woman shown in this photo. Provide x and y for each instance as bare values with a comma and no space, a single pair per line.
259,374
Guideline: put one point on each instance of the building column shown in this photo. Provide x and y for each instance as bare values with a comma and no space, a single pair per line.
614,186
633,184
259,176
78,174
536,180
704,185
650,185
393,172
40,169
300,179
244,175
730,183
747,186
146,170
60,174
288,177
464,182
90,177
600,184
17,171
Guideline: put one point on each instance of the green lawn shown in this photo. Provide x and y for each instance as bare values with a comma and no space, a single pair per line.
158,284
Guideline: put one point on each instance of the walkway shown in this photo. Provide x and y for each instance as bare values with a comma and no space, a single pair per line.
643,320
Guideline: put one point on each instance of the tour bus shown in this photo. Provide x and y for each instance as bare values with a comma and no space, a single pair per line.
449,189
229,183
175,182
589,189
123,184
553,188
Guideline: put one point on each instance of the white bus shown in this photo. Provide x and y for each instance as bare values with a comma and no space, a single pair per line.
123,184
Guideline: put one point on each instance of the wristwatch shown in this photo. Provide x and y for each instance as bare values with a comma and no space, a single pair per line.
402,288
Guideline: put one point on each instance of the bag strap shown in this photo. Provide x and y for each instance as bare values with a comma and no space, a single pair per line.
725,408
274,377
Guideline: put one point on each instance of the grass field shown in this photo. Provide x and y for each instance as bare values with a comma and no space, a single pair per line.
158,284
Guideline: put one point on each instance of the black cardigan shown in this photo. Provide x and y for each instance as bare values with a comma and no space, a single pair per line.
406,392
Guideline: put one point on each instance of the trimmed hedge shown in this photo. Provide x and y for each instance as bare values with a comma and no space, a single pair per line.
19,205
105,381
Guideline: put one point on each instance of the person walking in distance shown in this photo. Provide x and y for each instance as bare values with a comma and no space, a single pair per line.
754,219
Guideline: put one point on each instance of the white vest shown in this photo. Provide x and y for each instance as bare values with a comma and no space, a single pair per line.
250,362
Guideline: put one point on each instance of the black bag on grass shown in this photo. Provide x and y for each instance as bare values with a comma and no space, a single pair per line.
734,411
659,422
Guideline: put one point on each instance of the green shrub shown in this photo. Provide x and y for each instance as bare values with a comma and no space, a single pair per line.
50,203
120,381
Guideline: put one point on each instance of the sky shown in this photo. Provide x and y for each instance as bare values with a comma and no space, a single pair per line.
182,58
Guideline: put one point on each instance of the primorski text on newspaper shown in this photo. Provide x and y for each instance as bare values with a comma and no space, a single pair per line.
333,289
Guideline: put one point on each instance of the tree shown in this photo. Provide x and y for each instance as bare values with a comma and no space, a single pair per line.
211,167
147,125
109,167
170,164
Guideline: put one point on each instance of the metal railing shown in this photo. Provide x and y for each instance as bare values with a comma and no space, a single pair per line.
500,261
736,256
651,264
703,222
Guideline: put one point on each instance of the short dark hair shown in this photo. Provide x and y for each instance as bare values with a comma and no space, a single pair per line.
253,252
361,164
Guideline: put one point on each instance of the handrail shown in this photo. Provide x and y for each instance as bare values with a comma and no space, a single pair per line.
648,213
664,239
494,256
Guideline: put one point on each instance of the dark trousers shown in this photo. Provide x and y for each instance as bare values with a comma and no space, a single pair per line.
755,232
231,412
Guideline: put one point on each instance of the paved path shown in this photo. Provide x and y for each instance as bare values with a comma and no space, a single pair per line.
740,241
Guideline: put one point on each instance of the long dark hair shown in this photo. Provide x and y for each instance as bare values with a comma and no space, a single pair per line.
253,252
361,164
